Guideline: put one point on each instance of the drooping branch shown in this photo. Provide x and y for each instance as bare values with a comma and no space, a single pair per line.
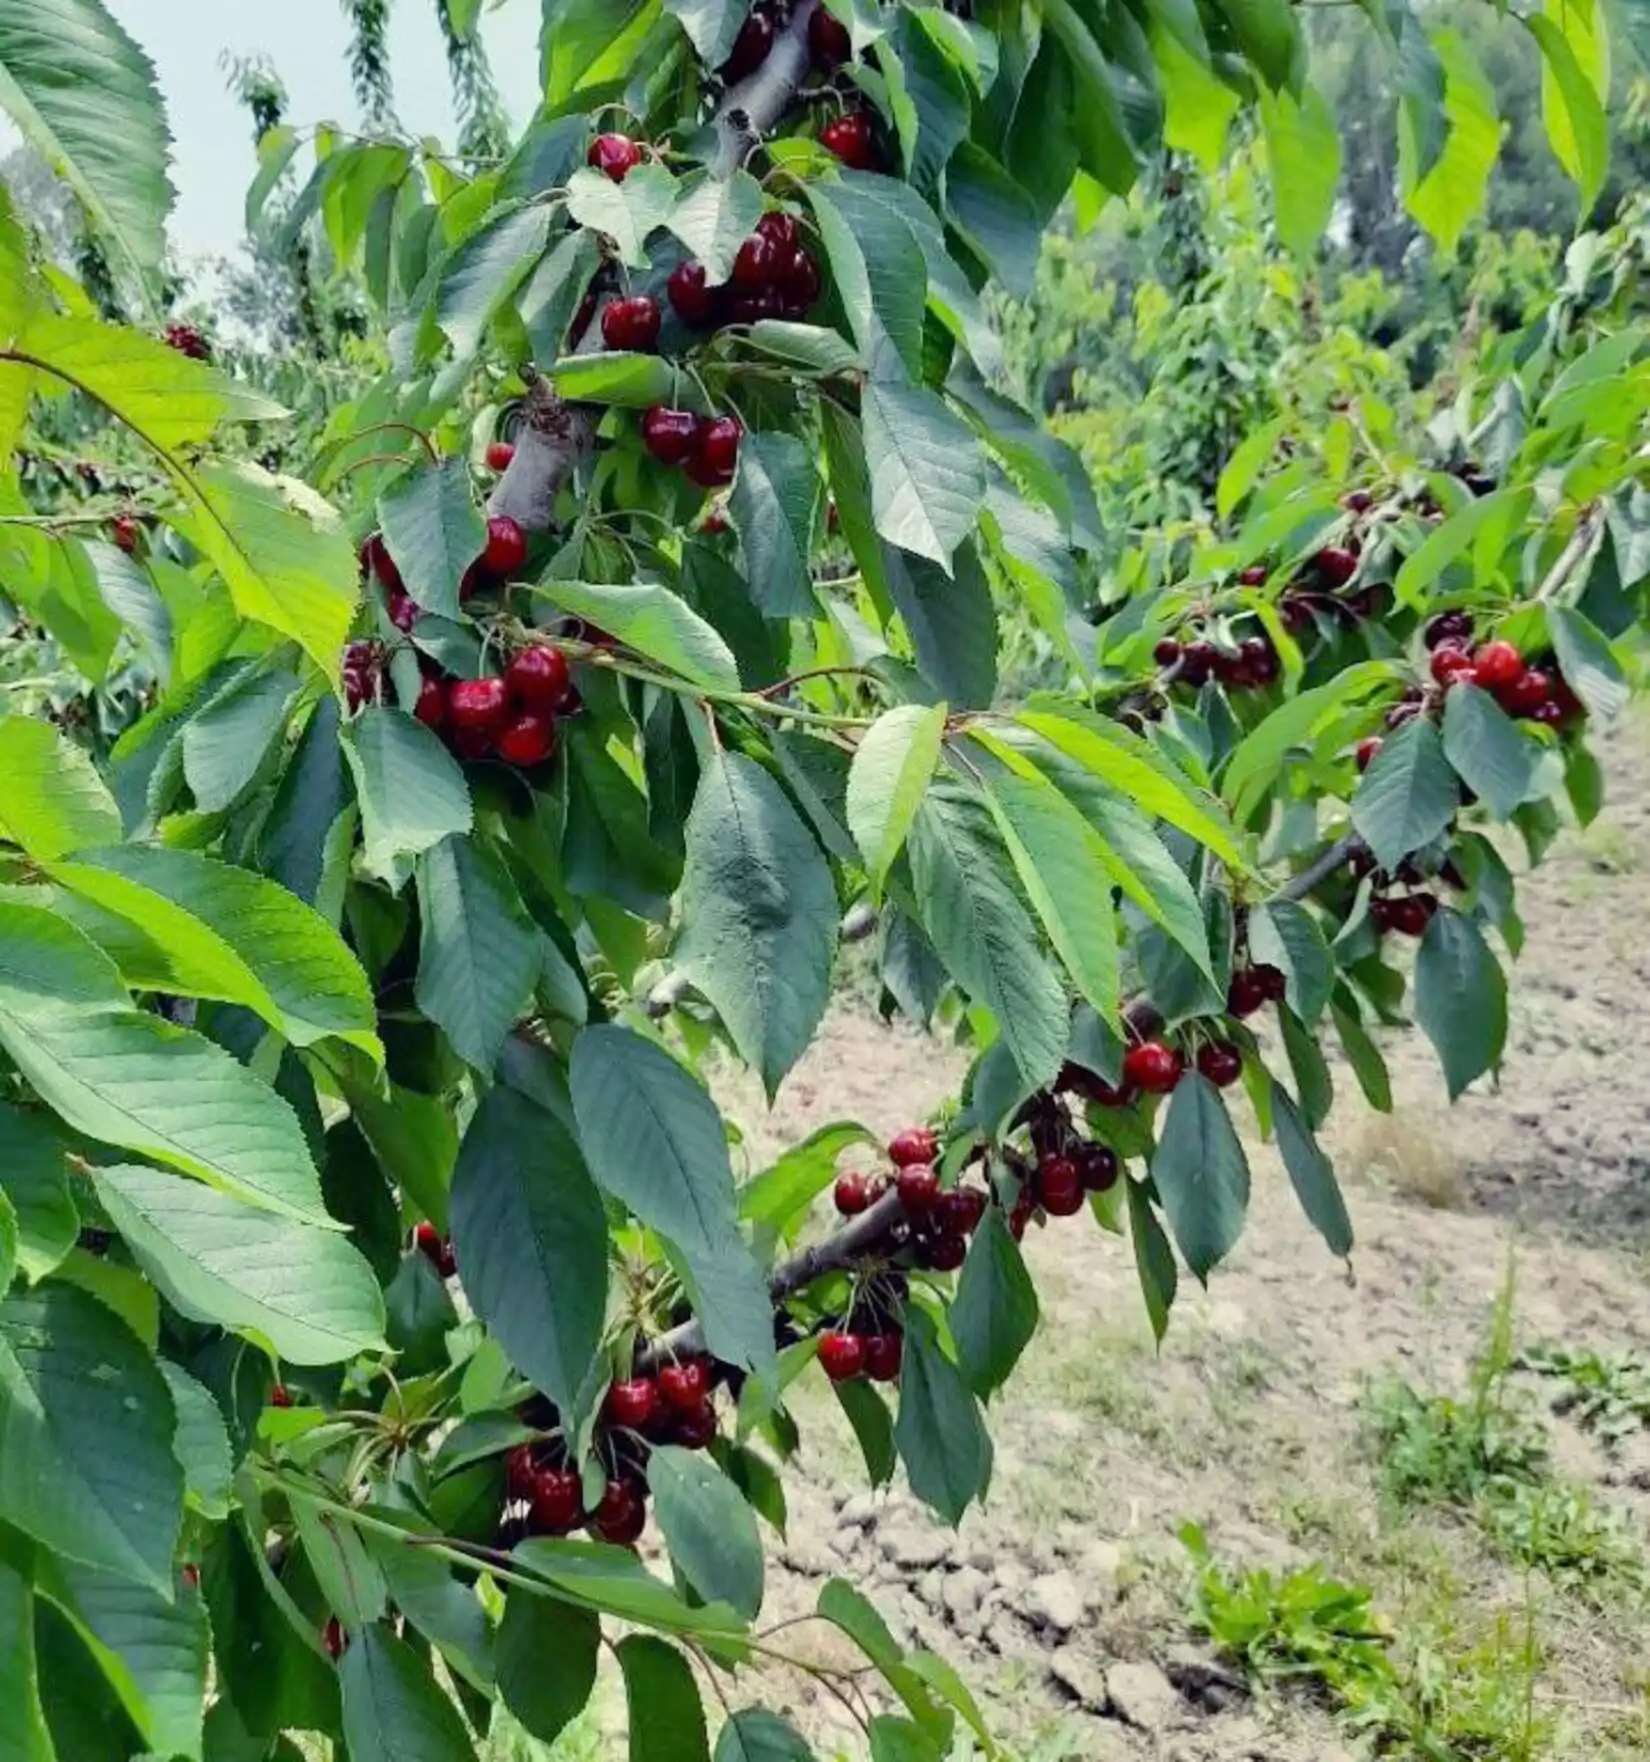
867,1234
749,109
554,437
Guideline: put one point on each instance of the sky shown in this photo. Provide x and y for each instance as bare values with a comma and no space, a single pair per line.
213,160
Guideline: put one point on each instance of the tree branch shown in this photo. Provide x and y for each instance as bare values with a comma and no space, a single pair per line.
749,109
553,438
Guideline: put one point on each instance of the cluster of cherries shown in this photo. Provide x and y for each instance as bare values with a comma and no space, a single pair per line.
187,341
509,716
1537,693
674,1407
1252,664
869,1341
705,448
774,275
938,1221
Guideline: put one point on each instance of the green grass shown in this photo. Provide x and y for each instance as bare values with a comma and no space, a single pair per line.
1608,1395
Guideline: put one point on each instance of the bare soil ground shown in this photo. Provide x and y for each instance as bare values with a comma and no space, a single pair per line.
1064,1600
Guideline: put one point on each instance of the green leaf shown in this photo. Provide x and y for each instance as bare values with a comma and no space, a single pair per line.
201,1445
1446,196
627,213
614,1581
667,1718
714,216
877,269
307,1295
873,1426
927,475
228,742
951,620
1311,1068
55,802
1407,796
982,932
708,1527
653,621
617,377
996,216
1303,152
84,96
1268,33
941,1437
1249,458
478,953
433,532
124,1077
1154,1260
756,1735
226,933
1362,1053
277,148
901,1740
1134,768
1284,934
151,1648
759,914
26,1735
1575,83
550,300
480,275
1460,999
88,1468
350,1580
995,1311
1589,667
1201,1173
35,1180
1487,749
393,1709
546,1661
1311,1174
773,507
312,795
411,791
1057,855
441,1606
892,767
530,1232
780,1196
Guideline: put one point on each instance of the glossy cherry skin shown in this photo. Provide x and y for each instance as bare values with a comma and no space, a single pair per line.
499,455
852,1194
528,740
631,1402
852,139
695,300
750,48
684,1385
841,1356
755,263
715,455
1167,652
1527,693
797,281
1198,661
521,1473
946,1252
125,532
1059,1186
376,559
669,434
556,1502
1153,1067
1410,916
401,608
1364,757
1449,664
1100,1168
333,1639
1496,665
280,1396
1247,993
538,679
959,1211
431,707
1455,628
696,1428
1220,1062
615,156
781,230
919,1188
632,324
915,1144
621,1516
1335,565
506,548
478,706
883,1355
828,40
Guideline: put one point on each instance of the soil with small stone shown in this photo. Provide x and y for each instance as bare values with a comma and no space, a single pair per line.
1063,1601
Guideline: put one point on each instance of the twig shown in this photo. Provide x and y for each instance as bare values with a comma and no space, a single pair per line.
749,109
1581,542
813,673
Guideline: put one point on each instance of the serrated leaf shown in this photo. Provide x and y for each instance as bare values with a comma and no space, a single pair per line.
873,1426
755,1735
1303,153
927,475
1575,83
892,767
306,1294
394,1711
35,1180
780,1196
55,802
1407,796
482,273
759,915
627,213
201,1444
228,741
1445,195
88,1469
983,933
411,791
546,1661
226,933
1256,762
708,1527
714,216
530,1232
1589,667
951,619
1460,999
995,1311
1487,749
433,532
1311,1174
667,1718
1201,1174
350,1580
26,1733
1154,1260
942,1439
773,503
614,1581
85,98
653,621
877,268
478,952
1284,934
616,377
128,1078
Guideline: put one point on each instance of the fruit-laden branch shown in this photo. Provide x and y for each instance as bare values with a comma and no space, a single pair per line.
751,108
862,1236
554,436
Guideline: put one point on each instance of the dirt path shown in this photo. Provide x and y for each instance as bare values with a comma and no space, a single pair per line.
1064,1600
